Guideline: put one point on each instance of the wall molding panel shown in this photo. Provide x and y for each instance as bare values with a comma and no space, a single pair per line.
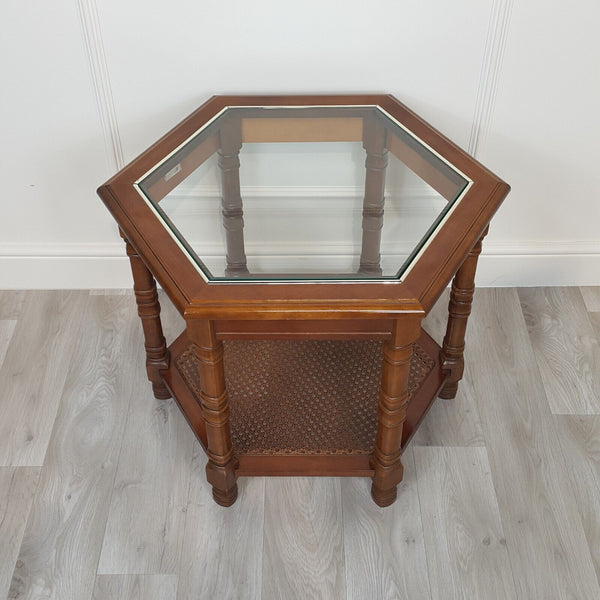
92,34
490,74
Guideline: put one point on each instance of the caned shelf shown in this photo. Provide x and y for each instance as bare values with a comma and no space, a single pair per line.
304,401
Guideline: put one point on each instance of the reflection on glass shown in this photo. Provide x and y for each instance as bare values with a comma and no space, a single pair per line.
302,193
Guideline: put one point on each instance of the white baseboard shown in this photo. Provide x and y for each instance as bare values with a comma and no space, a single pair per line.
64,266
64,272
538,270
91,266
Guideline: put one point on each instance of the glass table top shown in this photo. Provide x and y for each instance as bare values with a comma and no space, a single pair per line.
303,193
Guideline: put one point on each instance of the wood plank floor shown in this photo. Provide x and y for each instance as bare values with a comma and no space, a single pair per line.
103,493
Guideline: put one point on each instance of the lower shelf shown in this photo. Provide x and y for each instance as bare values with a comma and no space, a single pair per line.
304,406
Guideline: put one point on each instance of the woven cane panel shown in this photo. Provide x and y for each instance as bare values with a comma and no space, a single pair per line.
303,397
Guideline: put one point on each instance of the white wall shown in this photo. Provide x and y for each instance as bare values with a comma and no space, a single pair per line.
88,85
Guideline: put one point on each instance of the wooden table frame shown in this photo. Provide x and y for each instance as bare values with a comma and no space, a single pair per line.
388,311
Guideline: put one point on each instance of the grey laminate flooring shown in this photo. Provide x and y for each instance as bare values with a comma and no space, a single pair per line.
103,494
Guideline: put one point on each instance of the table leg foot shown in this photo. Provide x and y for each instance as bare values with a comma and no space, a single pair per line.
449,391
225,497
223,481
384,498
161,392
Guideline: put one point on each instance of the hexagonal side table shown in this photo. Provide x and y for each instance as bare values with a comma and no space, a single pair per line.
303,239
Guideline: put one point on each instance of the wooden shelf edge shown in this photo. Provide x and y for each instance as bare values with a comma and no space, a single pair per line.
326,465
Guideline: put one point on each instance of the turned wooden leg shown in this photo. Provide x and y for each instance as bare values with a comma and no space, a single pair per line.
372,216
393,400
459,309
146,297
230,142
220,469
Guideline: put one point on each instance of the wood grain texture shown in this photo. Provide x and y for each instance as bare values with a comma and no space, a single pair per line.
17,488
6,331
580,441
64,533
384,550
455,422
135,587
565,347
591,297
144,532
35,370
303,543
464,539
222,551
544,532
11,304
595,320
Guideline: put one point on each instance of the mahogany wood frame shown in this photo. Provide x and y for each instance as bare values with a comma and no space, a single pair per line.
220,469
146,297
459,309
393,405
390,311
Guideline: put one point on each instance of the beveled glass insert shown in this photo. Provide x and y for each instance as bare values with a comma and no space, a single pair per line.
302,193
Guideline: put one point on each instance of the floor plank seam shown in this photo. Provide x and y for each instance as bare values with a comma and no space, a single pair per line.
427,558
